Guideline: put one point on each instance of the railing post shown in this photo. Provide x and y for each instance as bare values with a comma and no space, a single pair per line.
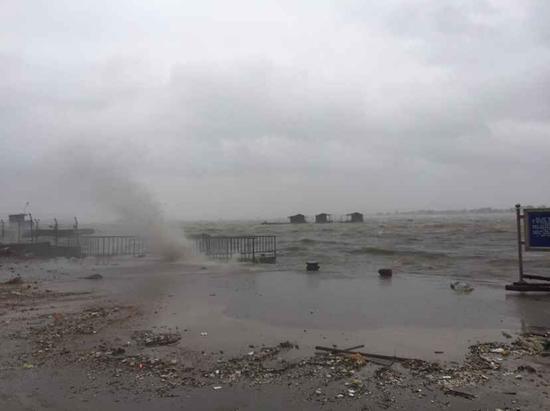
30,219
36,229
75,227
55,230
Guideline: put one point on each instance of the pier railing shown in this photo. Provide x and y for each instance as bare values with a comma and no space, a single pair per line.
256,249
111,245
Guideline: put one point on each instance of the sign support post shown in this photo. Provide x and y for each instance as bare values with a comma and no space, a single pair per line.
520,242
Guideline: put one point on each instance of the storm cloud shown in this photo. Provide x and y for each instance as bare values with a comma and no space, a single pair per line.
260,109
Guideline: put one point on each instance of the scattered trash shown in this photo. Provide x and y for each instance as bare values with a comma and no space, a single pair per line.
288,345
358,359
462,287
118,351
371,357
28,366
151,339
462,394
269,365
538,331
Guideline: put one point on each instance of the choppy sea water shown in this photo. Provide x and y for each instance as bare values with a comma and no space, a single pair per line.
477,247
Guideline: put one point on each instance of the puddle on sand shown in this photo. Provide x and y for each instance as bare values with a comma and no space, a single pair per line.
409,316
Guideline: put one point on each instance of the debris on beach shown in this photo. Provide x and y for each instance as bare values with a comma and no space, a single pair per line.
506,334
462,394
151,339
14,281
331,375
338,374
288,345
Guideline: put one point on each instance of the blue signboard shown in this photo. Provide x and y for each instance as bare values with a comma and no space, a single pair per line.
537,229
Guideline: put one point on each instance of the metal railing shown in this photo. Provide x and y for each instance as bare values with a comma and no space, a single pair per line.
257,249
111,245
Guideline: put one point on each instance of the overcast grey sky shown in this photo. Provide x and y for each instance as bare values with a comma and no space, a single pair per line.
232,109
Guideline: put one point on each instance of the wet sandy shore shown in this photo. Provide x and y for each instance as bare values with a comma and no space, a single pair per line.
75,343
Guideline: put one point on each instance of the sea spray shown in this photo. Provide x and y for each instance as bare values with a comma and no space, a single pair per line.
102,177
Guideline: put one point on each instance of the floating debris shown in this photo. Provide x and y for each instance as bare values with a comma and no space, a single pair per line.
312,266
385,272
462,287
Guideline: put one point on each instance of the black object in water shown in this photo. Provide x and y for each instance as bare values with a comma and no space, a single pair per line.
385,272
312,266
